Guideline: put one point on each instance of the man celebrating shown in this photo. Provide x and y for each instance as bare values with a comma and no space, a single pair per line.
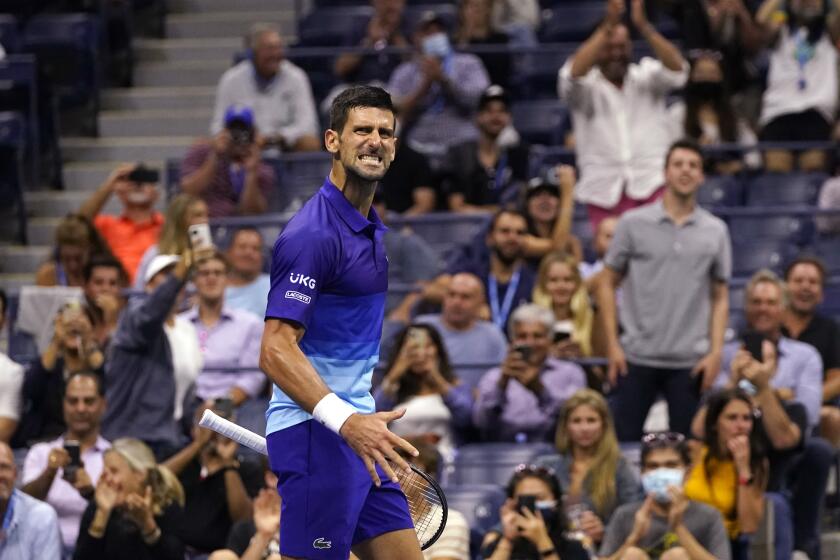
673,260
320,345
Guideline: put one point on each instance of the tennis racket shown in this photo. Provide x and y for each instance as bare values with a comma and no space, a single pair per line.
426,501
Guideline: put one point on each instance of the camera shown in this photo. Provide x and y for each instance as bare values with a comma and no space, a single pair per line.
142,174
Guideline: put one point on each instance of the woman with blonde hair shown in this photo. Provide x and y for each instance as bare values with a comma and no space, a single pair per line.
561,289
589,464
184,210
135,508
75,241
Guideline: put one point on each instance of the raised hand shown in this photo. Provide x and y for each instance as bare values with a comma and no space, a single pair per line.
267,512
107,496
679,503
739,447
592,525
370,438
638,16
641,520
615,11
139,510
532,526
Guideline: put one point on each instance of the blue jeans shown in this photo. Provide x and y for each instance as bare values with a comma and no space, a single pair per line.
782,525
637,391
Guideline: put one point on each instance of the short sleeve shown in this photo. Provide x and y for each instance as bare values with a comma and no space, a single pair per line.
302,264
617,531
194,159
722,270
618,255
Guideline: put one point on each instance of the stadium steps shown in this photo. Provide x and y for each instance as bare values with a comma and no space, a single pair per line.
226,24
84,176
157,122
158,98
173,50
204,6
15,259
117,150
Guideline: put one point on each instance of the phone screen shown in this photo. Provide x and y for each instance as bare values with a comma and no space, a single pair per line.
72,448
752,344
527,501
523,350
200,236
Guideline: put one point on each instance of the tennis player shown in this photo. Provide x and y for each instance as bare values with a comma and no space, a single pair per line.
329,448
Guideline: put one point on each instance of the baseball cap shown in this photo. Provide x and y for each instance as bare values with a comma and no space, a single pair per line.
494,93
429,17
538,185
159,263
240,114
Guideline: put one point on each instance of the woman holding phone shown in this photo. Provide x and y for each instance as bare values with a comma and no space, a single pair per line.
533,525
420,380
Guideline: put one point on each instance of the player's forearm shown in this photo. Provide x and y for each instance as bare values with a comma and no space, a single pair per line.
285,364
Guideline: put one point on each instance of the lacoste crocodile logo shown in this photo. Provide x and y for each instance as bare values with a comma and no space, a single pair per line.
320,543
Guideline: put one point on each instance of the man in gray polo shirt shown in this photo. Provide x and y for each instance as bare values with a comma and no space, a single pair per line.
673,260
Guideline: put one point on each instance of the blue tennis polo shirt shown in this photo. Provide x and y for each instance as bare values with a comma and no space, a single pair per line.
329,274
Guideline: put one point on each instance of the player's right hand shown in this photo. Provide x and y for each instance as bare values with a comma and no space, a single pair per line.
370,438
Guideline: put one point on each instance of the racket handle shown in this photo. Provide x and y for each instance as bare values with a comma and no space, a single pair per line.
233,431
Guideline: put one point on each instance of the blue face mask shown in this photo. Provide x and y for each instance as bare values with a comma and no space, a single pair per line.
548,510
656,483
437,45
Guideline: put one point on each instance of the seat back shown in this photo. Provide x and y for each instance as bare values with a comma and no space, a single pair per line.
749,256
542,121
479,504
784,189
791,229
721,190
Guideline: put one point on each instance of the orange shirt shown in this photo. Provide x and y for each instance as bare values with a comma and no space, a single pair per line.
128,240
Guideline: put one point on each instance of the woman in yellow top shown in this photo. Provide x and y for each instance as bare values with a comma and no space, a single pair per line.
730,468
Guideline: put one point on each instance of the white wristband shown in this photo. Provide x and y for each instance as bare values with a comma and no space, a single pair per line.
333,412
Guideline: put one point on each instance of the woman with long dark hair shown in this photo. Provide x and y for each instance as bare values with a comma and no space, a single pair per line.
420,380
730,469
532,533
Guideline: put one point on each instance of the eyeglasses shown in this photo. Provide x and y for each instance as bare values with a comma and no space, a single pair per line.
533,469
658,439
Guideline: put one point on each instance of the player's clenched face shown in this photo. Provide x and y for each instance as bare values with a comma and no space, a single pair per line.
366,144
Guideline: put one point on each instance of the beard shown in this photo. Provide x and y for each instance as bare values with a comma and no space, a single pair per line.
507,260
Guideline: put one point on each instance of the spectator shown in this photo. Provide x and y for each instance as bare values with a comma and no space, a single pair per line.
589,465
549,212
436,93
257,538
30,527
247,284
104,280
49,472
666,524
228,338
804,283
420,380
519,400
600,243
532,535
802,86
75,241
730,469
676,259
476,28
137,228
560,289
135,509
384,29
11,385
278,92
468,338
73,349
228,172
480,175
183,211
518,18
618,112
217,489
707,116
829,200
409,188
155,359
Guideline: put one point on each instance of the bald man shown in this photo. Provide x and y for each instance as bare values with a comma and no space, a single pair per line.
30,527
468,338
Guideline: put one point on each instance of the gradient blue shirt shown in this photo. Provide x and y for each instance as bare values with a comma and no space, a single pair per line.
329,274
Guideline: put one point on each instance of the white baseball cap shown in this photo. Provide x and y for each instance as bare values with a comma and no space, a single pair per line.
159,263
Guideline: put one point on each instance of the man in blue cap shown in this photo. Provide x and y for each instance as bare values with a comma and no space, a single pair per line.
228,172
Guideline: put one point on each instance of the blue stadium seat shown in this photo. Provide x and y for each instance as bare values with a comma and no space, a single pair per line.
332,26
542,121
19,92
736,296
479,504
67,48
570,21
443,230
544,157
749,256
792,229
492,463
784,189
471,374
828,249
12,182
720,190
302,175
9,35
831,299
736,324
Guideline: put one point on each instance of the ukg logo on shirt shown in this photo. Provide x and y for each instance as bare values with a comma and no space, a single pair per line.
296,278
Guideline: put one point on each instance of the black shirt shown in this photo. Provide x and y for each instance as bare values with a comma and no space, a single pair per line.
464,173
205,522
123,540
409,171
822,333
781,460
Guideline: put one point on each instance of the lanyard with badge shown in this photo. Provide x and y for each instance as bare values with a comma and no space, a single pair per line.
500,314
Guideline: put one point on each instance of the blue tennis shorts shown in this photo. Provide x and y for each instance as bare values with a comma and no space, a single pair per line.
329,501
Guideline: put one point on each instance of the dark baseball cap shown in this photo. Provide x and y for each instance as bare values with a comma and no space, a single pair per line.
539,185
494,93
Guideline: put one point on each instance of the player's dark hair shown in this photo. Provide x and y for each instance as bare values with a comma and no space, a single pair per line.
357,97
684,144
104,261
807,259
410,385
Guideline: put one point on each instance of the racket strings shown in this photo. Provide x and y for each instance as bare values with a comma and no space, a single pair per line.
424,504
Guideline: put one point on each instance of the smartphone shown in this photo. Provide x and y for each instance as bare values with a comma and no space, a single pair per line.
524,350
562,331
527,501
418,336
143,174
223,407
200,236
752,344
73,449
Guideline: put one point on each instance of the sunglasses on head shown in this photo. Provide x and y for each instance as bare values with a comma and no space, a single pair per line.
661,439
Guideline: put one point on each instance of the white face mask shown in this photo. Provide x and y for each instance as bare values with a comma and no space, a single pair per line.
657,482
437,45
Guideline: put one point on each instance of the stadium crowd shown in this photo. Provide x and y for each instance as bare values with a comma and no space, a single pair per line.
512,337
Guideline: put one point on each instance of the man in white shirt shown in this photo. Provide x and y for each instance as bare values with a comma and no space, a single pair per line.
247,284
619,114
11,384
277,91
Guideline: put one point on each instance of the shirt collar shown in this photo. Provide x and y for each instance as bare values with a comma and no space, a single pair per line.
348,213
101,444
155,220
192,314
662,215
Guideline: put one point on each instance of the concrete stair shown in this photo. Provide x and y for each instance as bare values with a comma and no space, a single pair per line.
170,105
